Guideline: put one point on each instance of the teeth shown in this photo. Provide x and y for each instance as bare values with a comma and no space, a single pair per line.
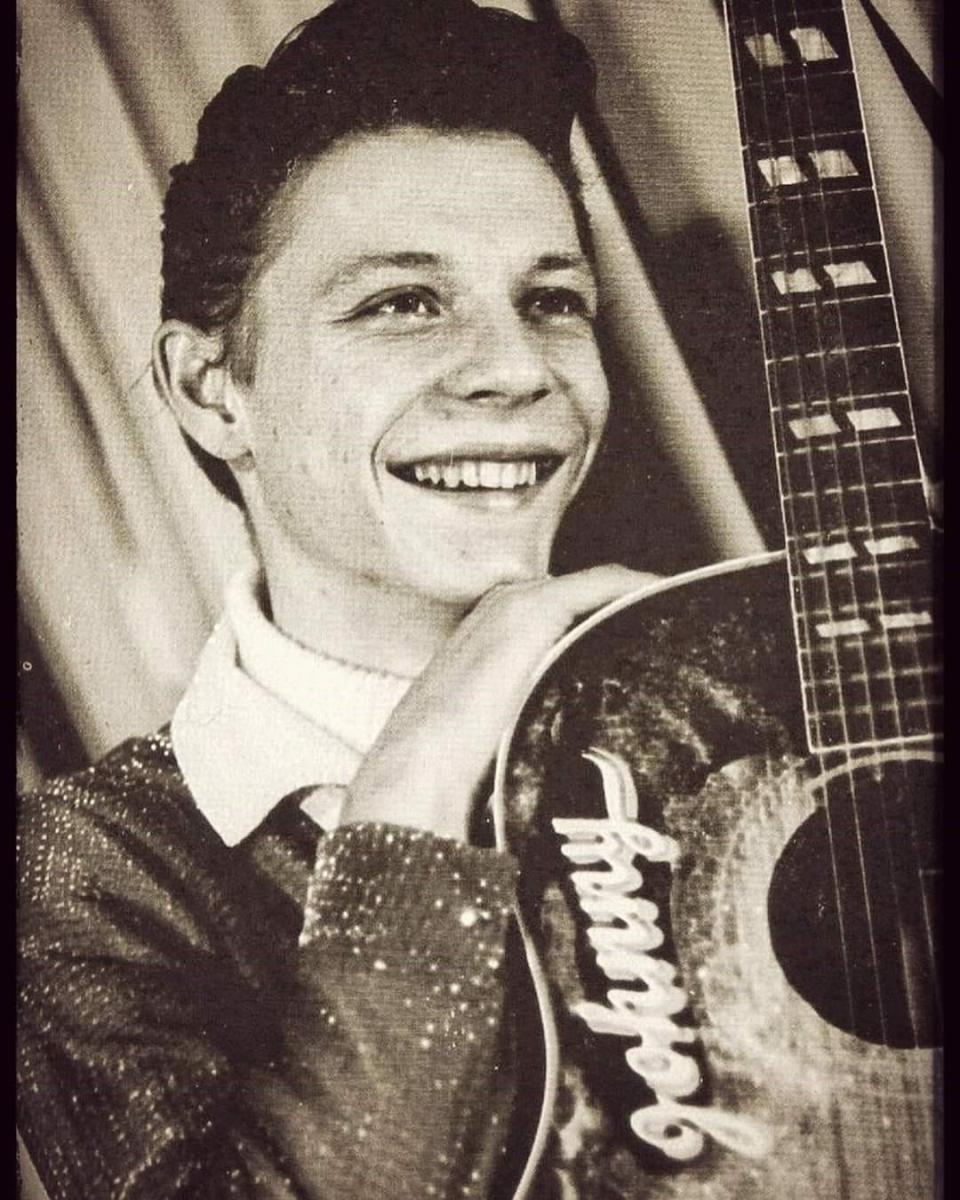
451,475
488,474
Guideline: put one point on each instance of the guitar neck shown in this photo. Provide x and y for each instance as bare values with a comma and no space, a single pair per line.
853,498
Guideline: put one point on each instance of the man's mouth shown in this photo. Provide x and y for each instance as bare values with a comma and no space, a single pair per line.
477,474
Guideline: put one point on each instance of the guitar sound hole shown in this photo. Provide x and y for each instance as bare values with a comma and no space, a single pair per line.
853,902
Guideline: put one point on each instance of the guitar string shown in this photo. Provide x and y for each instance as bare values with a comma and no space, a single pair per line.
785,467
912,642
844,350
827,576
786,461
852,775
828,588
858,642
857,444
912,637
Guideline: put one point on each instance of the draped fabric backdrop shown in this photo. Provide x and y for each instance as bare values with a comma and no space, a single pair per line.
124,546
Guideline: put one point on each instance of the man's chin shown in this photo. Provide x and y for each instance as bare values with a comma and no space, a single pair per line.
463,584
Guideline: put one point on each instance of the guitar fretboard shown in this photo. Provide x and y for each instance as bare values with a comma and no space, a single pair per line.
853,497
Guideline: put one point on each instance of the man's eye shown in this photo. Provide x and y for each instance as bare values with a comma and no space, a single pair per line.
402,304
559,302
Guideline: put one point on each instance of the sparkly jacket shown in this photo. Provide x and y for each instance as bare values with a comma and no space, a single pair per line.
298,1016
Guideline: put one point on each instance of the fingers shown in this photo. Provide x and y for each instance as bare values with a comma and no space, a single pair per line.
585,591
554,603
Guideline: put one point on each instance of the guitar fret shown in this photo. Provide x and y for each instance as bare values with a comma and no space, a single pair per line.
802,406
830,447
870,396
786,358
883,640
868,743
872,529
801,142
818,304
860,555
858,487
918,672
869,569
873,709
828,248
779,197
812,615
910,682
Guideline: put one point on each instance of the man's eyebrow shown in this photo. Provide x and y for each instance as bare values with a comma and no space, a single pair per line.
349,270
563,262
352,269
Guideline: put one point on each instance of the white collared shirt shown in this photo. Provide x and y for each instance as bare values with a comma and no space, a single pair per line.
264,717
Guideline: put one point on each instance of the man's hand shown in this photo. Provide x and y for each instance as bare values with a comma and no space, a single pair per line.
424,768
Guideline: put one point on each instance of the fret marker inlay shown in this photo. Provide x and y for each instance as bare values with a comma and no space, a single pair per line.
834,629
764,48
805,427
849,274
800,280
905,620
833,164
822,554
865,419
813,44
781,171
889,545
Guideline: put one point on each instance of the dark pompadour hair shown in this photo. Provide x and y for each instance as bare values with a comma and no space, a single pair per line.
358,66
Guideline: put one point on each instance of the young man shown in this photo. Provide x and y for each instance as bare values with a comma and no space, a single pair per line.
262,952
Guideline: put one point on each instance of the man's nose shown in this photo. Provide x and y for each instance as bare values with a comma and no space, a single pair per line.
502,361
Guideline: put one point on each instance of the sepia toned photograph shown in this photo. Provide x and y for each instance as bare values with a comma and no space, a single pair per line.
479,544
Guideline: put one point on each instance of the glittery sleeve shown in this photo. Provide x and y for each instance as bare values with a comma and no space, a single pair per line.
175,1040
406,932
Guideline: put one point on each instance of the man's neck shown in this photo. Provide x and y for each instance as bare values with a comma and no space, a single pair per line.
358,620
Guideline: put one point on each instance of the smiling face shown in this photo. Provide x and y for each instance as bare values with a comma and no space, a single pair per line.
427,393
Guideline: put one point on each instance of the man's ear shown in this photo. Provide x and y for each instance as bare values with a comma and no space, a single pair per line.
193,378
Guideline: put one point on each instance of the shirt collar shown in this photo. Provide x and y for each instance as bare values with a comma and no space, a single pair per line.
264,717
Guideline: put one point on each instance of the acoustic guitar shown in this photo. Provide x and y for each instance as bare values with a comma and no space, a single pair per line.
724,790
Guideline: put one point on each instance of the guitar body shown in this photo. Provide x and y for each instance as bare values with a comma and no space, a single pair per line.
797,911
